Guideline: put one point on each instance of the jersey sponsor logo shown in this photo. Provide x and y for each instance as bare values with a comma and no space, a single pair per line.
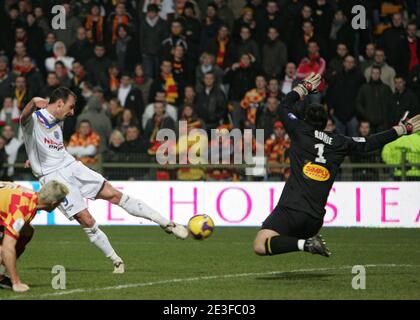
53,144
316,172
359,139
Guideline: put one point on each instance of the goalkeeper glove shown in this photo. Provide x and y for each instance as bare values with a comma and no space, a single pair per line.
308,85
408,126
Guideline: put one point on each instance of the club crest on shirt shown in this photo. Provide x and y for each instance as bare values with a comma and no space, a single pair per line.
56,135
316,172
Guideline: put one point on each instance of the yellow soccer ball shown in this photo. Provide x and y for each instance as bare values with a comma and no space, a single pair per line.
201,226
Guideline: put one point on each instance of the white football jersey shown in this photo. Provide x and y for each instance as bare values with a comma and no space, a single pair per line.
43,136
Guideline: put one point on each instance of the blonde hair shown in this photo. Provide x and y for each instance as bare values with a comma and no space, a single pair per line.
53,191
117,134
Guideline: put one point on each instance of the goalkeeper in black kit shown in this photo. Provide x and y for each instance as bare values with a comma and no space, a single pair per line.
315,158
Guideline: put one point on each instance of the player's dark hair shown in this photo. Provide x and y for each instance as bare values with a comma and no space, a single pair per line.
316,116
62,93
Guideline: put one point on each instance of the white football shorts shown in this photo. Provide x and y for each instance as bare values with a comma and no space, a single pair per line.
82,182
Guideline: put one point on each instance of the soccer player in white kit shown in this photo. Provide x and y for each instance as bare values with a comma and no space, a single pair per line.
42,123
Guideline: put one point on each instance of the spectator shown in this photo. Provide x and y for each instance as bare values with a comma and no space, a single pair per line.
342,93
373,102
128,119
365,174
40,20
209,26
17,62
160,120
391,41
59,55
68,35
125,49
190,96
192,30
99,121
52,84
152,34
134,143
170,110
9,114
166,11
331,127
11,148
97,67
181,66
35,36
246,45
63,74
111,82
79,75
5,78
176,38
207,64
116,142
274,54
21,94
3,159
313,63
168,82
410,50
253,102
48,50
271,20
130,96
273,89
323,17
222,48
387,72
81,49
247,20
403,100
336,63
84,145
32,75
277,150
241,78
211,103
119,17
290,77
269,117
341,32
94,25
225,13
189,115
142,81
115,111
299,47
368,59
414,81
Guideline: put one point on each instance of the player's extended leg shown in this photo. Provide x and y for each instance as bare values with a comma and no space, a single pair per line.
99,238
140,209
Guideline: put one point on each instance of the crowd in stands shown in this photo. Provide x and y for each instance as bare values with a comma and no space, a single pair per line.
141,66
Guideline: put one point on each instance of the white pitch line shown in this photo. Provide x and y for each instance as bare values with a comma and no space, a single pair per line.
225,276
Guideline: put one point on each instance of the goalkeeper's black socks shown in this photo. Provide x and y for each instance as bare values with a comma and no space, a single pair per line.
281,244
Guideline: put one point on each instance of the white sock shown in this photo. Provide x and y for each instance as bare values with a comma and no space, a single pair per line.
138,208
301,245
101,241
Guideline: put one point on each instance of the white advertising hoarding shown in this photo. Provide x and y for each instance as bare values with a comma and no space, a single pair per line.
361,204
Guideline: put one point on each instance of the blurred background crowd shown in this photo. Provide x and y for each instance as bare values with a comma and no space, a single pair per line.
141,66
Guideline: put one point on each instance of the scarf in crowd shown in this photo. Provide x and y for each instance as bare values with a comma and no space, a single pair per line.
78,78
220,58
177,67
170,89
19,97
251,103
98,37
114,83
115,23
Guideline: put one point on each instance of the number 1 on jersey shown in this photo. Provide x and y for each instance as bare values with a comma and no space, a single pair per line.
320,158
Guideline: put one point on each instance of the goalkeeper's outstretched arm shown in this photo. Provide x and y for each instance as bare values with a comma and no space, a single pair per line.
377,141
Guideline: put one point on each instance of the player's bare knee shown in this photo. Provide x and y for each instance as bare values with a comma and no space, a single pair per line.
259,247
85,219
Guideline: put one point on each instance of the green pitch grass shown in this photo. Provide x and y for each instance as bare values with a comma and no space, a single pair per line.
222,267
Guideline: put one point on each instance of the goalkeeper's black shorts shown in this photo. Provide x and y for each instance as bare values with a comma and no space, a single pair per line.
292,223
